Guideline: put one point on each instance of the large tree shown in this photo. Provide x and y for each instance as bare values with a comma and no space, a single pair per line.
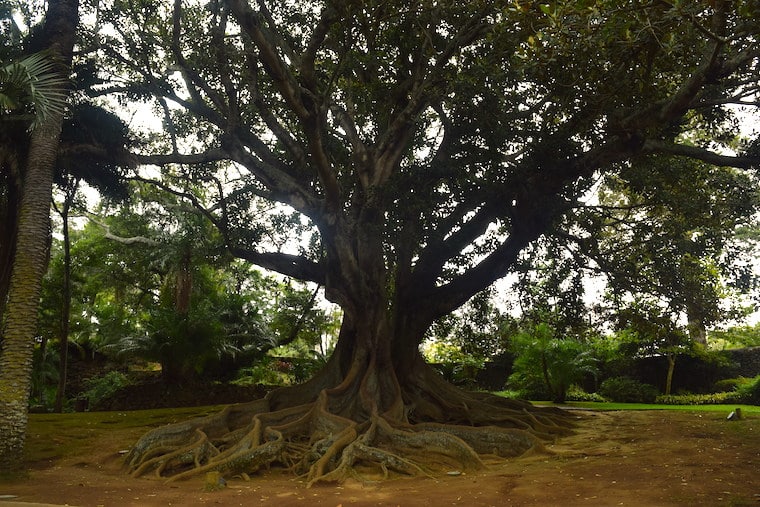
428,143
673,239
20,311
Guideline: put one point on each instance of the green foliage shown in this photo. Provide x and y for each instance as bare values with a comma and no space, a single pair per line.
700,399
544,359
301,326
736,337
455,365
627,390
44,379
31,89
729,384
478,330
750,392
304,368
576,393
267,371
101,388
738,390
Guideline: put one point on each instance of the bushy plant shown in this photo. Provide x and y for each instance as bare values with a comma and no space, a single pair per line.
576,393
304,368
544,359
729,384
101,388
455,365
532,390
267,371
750,392
700,399
44,380
628,390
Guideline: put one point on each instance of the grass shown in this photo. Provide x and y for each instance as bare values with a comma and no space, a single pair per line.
727,409
55,436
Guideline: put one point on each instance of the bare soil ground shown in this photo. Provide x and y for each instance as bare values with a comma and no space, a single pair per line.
638,458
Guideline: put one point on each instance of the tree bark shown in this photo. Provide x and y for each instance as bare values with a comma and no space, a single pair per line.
60,396
671,369
696,326
30,262
9,205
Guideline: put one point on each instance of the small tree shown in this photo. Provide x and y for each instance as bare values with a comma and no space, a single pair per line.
655,333
545,359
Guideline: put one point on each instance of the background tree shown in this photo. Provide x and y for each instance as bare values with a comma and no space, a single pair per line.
672,238
427,145
742,336
94,144
480,329
654,333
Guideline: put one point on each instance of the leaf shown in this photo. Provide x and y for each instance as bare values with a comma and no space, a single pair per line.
35,80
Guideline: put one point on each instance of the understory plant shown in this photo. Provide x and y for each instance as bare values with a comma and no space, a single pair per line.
542,359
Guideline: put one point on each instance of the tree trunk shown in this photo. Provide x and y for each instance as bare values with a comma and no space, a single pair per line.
671,369
696,326
376,403
9,206
30,262
60,395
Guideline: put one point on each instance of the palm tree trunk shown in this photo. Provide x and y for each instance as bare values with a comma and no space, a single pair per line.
30,262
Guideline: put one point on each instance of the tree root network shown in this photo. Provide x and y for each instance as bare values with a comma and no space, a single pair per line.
315,442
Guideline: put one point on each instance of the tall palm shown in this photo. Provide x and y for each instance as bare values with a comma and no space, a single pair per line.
20,312
31,90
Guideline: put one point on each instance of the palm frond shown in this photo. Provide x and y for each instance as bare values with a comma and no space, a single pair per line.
33,81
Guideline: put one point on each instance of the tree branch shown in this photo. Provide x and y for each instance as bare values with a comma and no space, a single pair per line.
210,155
295,266
304,105
142,240
652,146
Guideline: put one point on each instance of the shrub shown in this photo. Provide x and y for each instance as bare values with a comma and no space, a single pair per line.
729,384
544,358
535,391
100,389
576,393
750,392
268,371
700,399
628,390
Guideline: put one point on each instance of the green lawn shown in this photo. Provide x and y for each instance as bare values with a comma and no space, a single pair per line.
746,409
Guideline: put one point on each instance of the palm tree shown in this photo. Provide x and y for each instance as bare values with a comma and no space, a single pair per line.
31,90
20,312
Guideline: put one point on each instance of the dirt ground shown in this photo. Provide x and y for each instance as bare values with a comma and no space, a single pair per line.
647,458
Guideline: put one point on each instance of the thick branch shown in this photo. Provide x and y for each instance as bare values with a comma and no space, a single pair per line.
437,253
304,105
294,266
533,212
210,155
651,146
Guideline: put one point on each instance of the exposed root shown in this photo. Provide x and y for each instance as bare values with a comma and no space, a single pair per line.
315,442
